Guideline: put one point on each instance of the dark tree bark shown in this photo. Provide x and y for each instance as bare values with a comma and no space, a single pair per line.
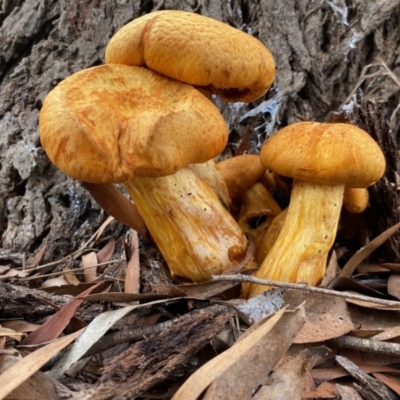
320,47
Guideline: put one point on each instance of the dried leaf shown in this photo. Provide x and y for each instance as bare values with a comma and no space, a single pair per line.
200,290
111,199
387,334
72,289
363,253
38,257
132,277
20,325
37,387
393,285
326,390
103,227
326,317
89,263
54,326
332,270
107,251
393,382
10,333
117,297
70,276
251,359
27,366
290,379
54,282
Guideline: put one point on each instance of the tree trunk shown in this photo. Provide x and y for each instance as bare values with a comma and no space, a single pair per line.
322,51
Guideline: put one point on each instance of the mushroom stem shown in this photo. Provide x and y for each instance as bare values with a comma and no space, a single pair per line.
301,249
193,230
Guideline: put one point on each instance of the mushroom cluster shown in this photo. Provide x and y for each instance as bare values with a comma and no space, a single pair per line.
145,118
326,159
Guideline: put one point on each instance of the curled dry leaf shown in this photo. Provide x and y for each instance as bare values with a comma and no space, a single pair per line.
363,253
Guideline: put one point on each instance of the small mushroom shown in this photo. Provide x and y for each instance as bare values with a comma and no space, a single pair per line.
240,173
197,50
322,159
122,124
355,200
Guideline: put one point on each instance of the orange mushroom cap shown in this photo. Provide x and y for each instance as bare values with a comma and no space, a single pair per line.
114,122
197,50
325,153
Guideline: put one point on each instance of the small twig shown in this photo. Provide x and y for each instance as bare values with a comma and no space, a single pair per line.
367,345
305,287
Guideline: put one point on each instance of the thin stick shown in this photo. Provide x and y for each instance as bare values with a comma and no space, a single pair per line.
304,286
367,345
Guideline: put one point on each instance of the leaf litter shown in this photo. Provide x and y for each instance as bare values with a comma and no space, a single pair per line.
108,322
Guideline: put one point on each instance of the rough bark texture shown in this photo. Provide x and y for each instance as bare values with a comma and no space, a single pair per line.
321,49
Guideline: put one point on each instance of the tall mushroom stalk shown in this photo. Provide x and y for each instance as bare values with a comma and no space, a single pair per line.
116,123
324,159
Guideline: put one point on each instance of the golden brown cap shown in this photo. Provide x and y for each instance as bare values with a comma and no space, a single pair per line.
324,153
240,173
114,122
355,200
197,50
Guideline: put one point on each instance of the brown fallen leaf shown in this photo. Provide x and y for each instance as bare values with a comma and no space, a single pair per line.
38,257
363,253
392,381
37,387
70,277
71,290
327,390
326,317
237,372
14,376
132,276
201,290
54,326
89,265
20,325
289,380
388,334
107,251
321,375
393,285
